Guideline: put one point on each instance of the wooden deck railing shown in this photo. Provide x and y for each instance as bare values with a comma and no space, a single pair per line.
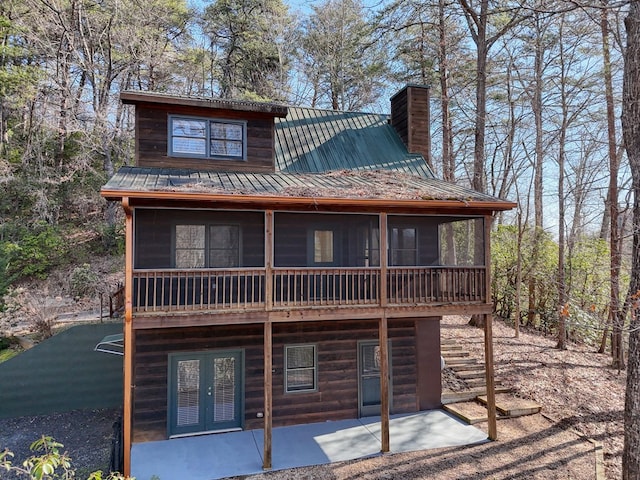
245,289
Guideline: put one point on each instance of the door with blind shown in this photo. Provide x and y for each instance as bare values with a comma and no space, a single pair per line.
369,378
205,392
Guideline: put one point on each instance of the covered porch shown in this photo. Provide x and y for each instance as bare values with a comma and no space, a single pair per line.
214,456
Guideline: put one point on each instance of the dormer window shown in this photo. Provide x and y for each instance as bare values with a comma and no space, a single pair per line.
207,138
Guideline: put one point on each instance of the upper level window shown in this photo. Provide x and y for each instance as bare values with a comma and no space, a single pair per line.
323,246
403,246
197,246
207,138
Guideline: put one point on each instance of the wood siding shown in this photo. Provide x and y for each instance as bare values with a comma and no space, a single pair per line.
410,118
337,394
152,139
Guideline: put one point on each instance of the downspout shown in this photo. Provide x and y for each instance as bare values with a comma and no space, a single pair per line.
128,336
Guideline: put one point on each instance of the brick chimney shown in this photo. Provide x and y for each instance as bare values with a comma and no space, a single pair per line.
410,118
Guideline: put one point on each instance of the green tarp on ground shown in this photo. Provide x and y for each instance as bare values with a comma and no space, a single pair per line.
61,374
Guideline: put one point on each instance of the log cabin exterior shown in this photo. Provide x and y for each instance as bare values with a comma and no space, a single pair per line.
289,265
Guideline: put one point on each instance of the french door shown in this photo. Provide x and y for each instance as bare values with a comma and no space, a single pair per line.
205,392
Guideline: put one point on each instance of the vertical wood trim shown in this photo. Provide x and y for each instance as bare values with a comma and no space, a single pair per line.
488,220
268,258
384,384
128,338
268,393
384,256
488,362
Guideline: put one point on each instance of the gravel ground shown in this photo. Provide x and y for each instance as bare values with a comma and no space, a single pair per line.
85,434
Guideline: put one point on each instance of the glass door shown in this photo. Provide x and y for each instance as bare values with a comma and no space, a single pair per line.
205,392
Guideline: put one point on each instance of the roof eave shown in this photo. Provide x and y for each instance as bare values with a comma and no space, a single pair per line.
283,201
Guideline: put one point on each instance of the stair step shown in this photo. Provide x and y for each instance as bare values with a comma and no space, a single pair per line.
465,367
454,354
512,406
456,362
469,412
470,374
448,397
450,347
476,382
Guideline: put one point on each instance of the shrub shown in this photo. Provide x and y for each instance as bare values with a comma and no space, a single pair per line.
48,463
84,281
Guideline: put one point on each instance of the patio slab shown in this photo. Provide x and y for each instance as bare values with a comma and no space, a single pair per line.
215,456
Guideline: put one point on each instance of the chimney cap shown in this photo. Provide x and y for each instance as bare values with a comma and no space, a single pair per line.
408,86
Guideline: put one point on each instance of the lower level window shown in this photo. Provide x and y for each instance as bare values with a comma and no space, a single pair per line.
301,368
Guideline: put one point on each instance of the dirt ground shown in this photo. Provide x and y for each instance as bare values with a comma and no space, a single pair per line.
580,396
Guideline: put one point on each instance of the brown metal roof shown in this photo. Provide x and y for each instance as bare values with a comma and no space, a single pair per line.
135,97
375,186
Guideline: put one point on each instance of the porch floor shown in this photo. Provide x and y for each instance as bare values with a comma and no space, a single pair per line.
215,456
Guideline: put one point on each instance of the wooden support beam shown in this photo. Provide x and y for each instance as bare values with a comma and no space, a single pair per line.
268,393
127,411
488,336
489,373
384,384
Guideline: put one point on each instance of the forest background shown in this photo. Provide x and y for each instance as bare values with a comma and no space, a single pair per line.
526,105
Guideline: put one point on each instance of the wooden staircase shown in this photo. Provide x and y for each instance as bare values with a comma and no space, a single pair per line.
469,403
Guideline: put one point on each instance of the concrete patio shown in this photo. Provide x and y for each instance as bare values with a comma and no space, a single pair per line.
209,457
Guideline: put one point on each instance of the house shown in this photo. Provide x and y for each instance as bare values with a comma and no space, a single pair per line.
289,265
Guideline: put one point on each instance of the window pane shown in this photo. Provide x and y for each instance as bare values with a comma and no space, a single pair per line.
190,259
224,243
194,146
298,357
404,250
323,246
190,246
183,127
188,398
300,380
226,131
190,236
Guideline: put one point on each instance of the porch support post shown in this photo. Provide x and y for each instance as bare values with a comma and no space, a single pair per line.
268,385
488,335
384,384
268,341
488,365
128,339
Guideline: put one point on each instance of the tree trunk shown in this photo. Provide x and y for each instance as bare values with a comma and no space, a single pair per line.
631,133
612,194
563,308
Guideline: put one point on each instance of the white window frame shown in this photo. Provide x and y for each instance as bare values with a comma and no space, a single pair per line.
314,368
206,136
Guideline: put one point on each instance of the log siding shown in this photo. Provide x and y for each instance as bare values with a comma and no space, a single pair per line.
337,393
